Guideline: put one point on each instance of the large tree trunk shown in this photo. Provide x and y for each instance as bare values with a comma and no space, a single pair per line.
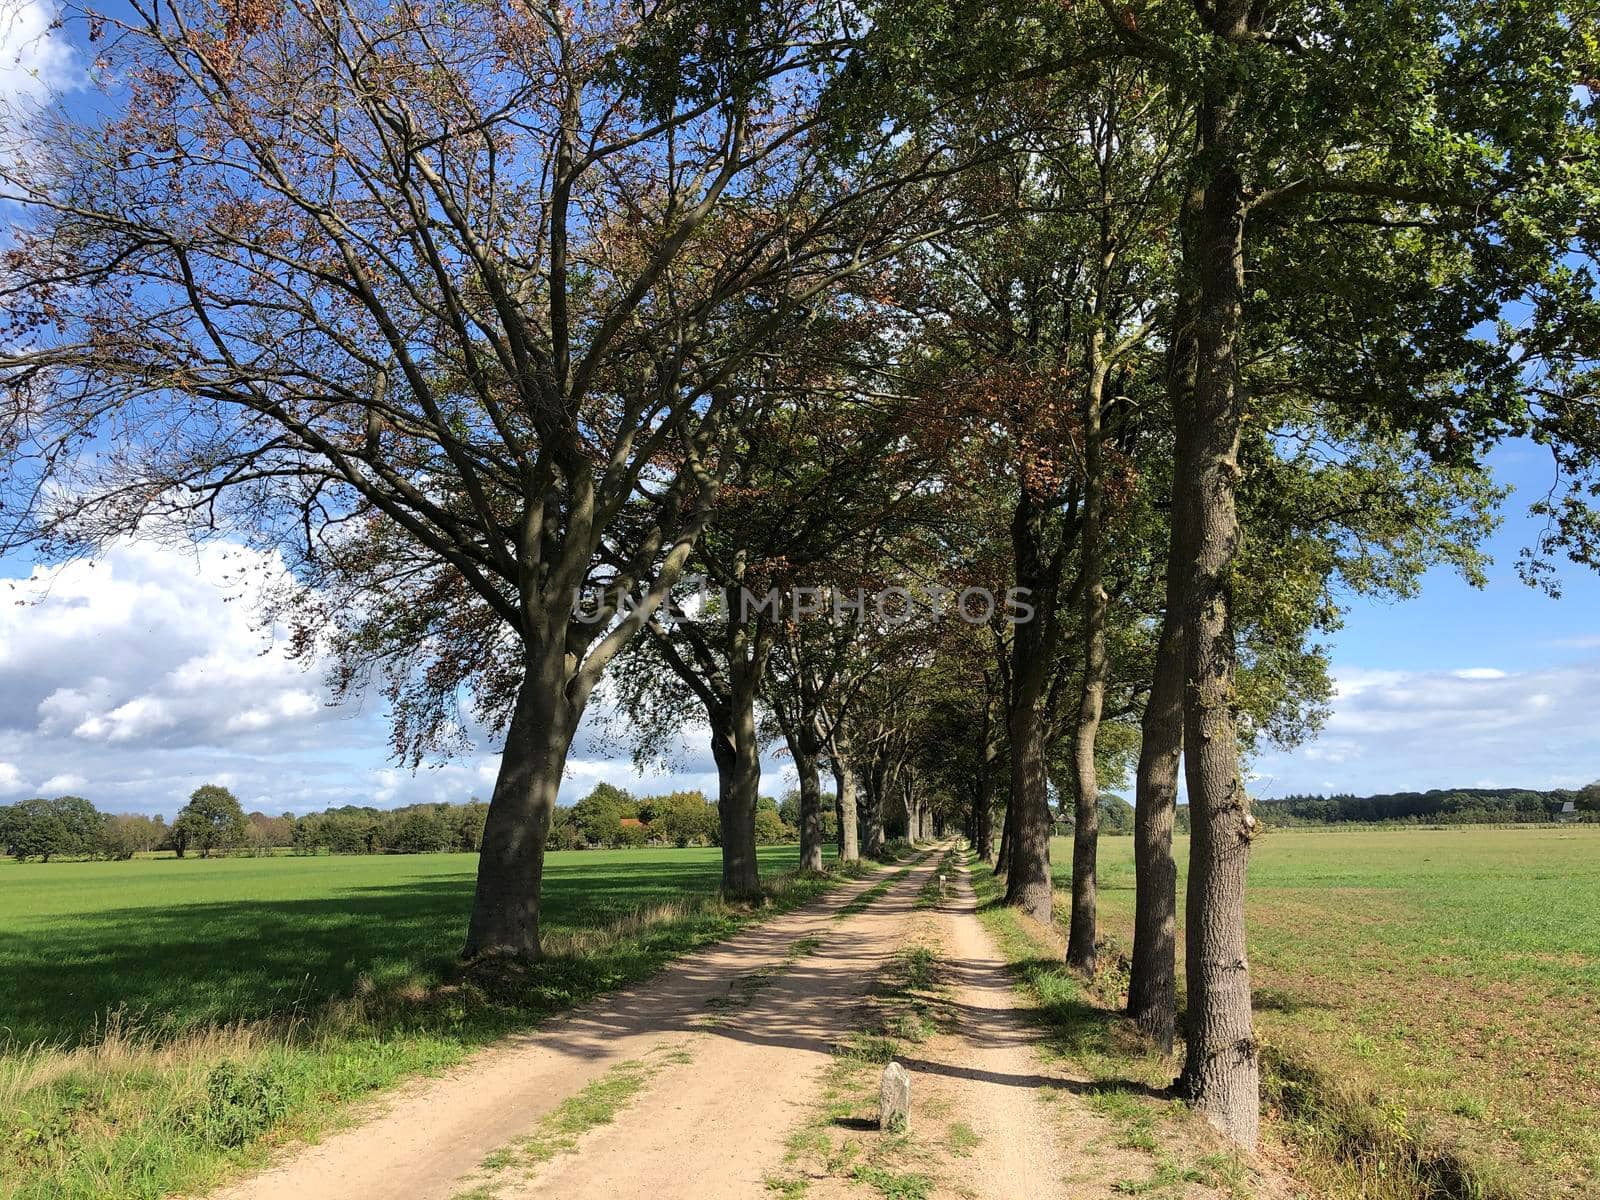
1038,569
738,757
1085,851
1028,884
912,806
983,791
1091,703
1221,1073
736,817
738,754
1002,858
805,762
983,814
505,909
872,818
844,785
896,817
1152,981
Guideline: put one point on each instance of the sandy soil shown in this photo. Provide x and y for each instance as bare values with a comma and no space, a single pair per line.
1035,1136
713,1128
749,1025
1038,1135
428,1140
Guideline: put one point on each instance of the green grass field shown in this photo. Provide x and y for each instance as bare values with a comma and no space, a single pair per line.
249,1000
176,944
1444,983
1417,991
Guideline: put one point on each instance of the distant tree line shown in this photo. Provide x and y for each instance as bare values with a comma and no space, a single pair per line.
611,816
66,827
1115,817
415,829
213,822
1441,806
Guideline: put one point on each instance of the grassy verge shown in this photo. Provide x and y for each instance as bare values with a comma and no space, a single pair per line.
1351,1141
143,1111
1127,1079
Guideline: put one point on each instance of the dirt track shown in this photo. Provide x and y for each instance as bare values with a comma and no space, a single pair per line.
736,1039
430,1139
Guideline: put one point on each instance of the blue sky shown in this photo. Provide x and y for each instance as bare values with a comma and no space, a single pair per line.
136,679
1506,620
1461,686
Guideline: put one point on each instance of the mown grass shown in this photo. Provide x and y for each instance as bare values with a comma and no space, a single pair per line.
179,944
1428,1001
169,1020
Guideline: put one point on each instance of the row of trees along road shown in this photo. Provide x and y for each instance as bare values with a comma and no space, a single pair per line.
1186,318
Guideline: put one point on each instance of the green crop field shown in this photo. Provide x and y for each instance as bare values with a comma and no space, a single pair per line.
315,980
1448,981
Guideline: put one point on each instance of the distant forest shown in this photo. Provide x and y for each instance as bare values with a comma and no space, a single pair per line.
1442,806
215,823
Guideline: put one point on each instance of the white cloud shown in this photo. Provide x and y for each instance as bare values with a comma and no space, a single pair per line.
1352,681
1483,702
36,60
137,678
1333,750
1414,730
151,646
145,673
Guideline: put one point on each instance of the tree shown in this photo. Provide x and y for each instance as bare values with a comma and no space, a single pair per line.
419,830
305,839
1261,179
126,834
1369,137
598,816
816,475
348,830
564,832
683,818
460,330
270,832
789,807
65,827
1042,366
212,820
769,827
470,824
